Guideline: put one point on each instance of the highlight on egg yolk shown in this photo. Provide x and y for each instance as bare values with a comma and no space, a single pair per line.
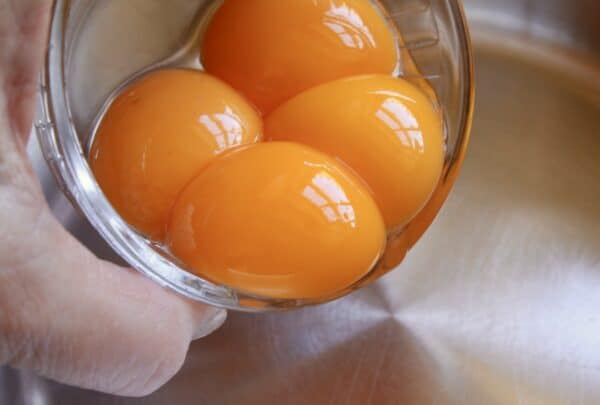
271,50
278,219
384,128
158,134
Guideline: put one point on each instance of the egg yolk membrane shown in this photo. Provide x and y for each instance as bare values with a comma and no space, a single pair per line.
278,219
158,134
271,50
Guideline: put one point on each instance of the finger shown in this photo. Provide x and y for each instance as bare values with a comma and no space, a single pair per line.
23,32
85,322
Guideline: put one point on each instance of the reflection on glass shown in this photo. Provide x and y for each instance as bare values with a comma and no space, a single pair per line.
326,193
189,243
394,114
349,27
226,128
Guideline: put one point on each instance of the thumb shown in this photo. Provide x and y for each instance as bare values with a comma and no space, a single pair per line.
68,316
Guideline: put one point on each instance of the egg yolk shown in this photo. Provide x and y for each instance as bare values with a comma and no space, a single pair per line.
278,219
271,50
158,134
384,128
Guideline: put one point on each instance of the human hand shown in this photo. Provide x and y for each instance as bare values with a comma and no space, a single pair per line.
64,313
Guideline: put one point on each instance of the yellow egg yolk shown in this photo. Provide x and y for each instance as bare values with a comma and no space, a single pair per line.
278,219
158,134
384,128
271,50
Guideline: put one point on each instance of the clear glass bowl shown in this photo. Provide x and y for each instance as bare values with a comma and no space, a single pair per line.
435,54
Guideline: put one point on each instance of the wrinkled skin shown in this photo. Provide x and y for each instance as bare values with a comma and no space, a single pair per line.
64,313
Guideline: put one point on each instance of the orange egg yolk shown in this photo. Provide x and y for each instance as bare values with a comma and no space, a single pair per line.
271,50
384,128
278,219
158,134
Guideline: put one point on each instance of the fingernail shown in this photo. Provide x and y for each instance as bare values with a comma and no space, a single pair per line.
213,320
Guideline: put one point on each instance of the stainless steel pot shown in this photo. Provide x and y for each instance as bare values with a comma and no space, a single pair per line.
500,302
